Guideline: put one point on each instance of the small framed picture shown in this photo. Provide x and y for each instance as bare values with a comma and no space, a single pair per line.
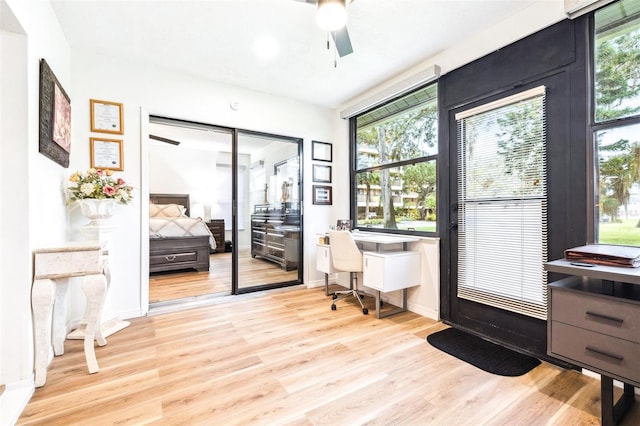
343,225
322,195
106,154
321,173
106,117
321,151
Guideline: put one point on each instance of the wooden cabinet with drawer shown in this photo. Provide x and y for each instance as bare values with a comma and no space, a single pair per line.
596,331
594,323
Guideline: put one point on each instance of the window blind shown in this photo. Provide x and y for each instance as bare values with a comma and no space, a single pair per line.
502,204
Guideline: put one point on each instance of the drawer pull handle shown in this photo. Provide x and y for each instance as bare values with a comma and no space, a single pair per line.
605,353
170,258
606,317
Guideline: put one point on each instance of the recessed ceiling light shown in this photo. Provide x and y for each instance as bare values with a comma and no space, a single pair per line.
266,47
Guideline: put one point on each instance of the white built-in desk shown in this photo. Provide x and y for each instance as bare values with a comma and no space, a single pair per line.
382,240
383,270
53,266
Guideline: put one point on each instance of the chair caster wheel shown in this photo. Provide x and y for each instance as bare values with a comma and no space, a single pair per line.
335,296
365,311
333,307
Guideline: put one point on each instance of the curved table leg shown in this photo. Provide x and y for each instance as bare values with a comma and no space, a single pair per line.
95,290
59,315
42,296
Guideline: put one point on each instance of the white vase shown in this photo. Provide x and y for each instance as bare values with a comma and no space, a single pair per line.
99,212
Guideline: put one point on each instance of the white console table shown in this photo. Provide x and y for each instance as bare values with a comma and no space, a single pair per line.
53,266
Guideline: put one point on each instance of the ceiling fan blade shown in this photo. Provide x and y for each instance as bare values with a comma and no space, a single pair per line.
342,41
165,140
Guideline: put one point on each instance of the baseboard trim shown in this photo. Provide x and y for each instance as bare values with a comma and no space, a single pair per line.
13,401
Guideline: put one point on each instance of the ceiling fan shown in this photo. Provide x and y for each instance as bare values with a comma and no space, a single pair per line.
331,16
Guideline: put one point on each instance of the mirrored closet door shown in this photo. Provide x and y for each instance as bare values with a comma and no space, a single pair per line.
269,215
224,211
190,223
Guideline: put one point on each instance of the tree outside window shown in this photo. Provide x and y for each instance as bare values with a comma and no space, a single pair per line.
617,122
396,154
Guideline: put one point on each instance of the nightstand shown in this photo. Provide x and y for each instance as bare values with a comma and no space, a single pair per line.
216,226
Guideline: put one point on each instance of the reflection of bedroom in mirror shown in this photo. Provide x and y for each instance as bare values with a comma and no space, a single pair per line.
273,209
190,224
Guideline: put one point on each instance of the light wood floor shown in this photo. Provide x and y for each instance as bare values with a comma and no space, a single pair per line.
284,358
251,272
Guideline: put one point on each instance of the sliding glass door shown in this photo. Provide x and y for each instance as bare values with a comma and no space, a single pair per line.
190,164
269,217
240,188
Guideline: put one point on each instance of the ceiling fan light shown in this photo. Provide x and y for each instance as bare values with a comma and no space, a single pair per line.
332,14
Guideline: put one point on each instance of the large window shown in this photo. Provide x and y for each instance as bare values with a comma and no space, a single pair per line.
395,166
616,123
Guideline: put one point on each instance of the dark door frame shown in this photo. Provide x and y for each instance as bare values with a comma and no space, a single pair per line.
234,132
556,54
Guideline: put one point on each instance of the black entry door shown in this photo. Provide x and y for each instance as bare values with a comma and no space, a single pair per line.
478,84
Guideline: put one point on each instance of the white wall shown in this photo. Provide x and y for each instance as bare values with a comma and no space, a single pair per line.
168,94
33,210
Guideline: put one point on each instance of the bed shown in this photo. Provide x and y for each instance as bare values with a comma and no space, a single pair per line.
177,241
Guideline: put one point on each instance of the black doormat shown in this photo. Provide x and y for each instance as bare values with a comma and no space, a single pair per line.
483,354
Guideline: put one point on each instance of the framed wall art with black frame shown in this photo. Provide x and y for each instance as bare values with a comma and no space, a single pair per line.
321,151
321,173
55,118
322,195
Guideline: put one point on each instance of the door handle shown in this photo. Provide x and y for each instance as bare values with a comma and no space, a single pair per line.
453,225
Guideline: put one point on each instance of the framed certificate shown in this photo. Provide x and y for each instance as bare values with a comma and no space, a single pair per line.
106,117
106,154
321,151
321,173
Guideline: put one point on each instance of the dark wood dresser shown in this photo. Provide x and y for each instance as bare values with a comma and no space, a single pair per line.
216,226
275,237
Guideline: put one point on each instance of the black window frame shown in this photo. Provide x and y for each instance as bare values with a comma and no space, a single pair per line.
593,172
354,171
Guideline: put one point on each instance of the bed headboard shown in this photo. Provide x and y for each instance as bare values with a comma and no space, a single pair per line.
181,199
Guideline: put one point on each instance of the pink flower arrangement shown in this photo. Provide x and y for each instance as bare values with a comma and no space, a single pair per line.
99,184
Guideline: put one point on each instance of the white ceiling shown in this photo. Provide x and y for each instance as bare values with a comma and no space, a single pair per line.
215,38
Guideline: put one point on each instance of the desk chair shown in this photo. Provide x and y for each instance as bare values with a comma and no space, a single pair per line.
346,258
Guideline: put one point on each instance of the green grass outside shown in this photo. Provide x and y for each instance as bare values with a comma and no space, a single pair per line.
624,233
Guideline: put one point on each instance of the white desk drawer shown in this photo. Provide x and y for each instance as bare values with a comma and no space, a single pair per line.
324,262
67,263
391,271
